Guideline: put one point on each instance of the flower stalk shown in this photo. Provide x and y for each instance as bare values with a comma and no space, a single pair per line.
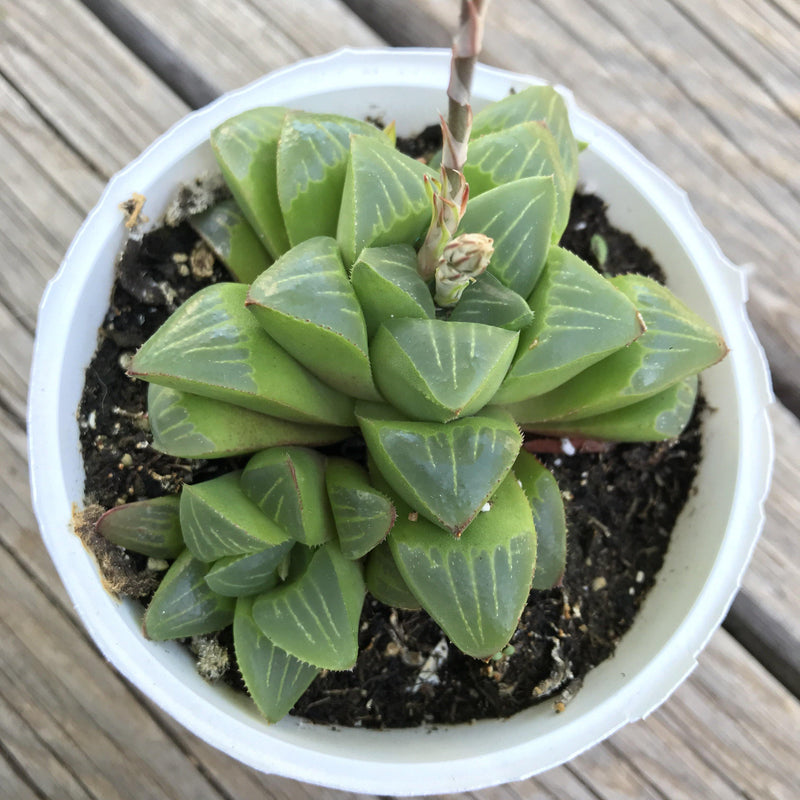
450,193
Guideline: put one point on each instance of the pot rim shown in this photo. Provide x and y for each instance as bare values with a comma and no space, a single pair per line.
647,689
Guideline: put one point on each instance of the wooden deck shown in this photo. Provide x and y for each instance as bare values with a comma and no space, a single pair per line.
709,90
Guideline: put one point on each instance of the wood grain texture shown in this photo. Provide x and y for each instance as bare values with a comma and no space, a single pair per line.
764,616
105,104
232,43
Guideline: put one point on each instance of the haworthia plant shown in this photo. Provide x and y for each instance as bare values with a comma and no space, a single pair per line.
306,303
474,586
342,338
190,426
151,527
227,232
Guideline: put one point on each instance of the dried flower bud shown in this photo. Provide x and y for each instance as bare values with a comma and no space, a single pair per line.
463,259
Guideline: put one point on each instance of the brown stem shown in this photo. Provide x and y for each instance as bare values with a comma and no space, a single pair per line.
466,47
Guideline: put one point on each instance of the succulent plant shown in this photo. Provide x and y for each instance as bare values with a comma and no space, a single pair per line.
371,300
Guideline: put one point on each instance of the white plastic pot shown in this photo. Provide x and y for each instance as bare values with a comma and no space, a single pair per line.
711,545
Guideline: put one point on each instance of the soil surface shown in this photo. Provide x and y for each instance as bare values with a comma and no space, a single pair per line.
621,506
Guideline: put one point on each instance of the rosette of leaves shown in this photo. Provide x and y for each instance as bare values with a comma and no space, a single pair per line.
330,332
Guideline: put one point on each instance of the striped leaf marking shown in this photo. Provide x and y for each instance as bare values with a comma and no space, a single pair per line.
488,302
246,148
440,370
676,344
306,303
189,426
446,472
662,416
184,604
288,486
315,616
218,519
227,232
536,103
313,151
475,587
384,200
274,679
579,318
384,581
363,515
150,527
547,507
213,347
387,285
519,217
526,150
247,574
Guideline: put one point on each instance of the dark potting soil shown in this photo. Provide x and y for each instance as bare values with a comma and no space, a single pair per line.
621,506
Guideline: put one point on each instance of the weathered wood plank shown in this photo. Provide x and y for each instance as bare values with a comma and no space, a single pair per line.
231,43
35,220
42,149
764,615
757,40
41,766
754,743
13,779
153,51
15,357
686,45
103,101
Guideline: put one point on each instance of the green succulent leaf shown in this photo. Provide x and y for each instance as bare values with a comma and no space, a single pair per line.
488,302
288,485
537,103
384,581
150,527
227,232
306,303
363,515
676,344
189,426
526,150
313,151
218,519
315,616
246,148
384,200
547,507
248,574
475,587
440,370
446,472
519,217
213,347
387,284
579,319
662,416
184,604
274,679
